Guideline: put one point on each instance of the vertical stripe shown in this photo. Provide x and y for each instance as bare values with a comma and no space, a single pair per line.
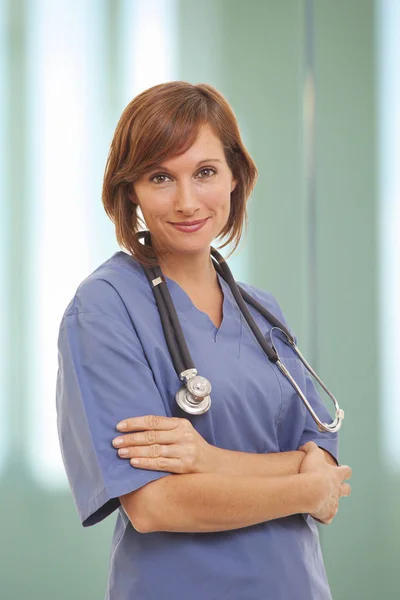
149,31
16,236
309,107
70,127
63,118
388,25
4,248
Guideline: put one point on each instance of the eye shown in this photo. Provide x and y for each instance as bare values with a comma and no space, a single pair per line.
155,178
209,173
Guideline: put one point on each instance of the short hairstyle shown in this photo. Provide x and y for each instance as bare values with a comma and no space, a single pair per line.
160,123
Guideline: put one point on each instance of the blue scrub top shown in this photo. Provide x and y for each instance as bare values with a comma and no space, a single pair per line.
114,364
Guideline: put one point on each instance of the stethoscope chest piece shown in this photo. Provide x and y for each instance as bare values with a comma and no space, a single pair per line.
194,397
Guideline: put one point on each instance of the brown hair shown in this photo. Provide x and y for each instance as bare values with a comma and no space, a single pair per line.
162,122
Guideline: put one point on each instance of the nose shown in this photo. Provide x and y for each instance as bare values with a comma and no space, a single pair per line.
186,199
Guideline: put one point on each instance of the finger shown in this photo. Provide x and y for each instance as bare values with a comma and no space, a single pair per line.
345,489
146,438
156,422
344,472
171,465
154,451
329,511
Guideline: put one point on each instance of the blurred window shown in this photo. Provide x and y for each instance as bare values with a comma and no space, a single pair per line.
3,245
389,157
70,128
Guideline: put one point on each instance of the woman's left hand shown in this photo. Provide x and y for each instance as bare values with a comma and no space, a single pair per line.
164,444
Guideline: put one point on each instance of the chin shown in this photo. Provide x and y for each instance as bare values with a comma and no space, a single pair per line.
192,249
190,246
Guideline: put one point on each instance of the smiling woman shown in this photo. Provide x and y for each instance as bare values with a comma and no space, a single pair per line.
159,158
190,199
254,465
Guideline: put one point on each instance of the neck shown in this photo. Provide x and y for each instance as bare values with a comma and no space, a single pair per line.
190,271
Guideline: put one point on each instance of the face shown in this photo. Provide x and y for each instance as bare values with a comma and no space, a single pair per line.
185,201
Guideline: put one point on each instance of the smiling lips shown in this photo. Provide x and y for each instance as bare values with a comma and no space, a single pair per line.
189,226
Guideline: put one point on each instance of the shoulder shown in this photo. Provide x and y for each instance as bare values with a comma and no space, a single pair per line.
104,290
266,299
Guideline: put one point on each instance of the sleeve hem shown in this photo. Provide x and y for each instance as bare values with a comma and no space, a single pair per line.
106,501
328,445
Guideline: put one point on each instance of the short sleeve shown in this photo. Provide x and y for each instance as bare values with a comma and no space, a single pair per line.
103,377
326,440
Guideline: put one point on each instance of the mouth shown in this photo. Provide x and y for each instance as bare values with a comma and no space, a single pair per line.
189,226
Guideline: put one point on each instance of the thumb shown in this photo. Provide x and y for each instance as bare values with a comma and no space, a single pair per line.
308,447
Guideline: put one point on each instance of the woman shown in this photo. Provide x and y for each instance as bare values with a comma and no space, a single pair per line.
214,506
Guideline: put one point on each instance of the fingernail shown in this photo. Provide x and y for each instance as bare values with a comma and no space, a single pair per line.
121,426
118,441
123,451
134,461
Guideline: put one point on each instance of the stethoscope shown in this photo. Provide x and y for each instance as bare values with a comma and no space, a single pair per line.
194,396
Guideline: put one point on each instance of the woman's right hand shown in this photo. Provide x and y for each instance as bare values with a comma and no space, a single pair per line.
329,480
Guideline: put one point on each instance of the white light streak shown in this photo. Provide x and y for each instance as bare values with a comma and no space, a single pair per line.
61,89
66,63
4,252
389,234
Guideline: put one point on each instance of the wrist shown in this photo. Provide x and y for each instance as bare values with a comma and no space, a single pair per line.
312,492
221,461
210,460
300,456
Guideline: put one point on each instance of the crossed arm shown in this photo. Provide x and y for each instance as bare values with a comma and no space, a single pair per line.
212,489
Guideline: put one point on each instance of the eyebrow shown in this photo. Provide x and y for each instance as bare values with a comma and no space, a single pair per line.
160,166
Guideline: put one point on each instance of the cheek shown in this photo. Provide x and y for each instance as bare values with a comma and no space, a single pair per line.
155,205
224,206
217,199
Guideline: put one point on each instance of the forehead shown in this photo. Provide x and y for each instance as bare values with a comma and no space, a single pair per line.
207,145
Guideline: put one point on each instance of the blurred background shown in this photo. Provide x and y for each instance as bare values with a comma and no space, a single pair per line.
315,85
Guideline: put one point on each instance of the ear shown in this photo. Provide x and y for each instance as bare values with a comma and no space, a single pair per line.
234,184
133,199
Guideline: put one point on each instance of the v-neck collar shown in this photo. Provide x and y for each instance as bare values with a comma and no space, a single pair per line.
231,325
231,329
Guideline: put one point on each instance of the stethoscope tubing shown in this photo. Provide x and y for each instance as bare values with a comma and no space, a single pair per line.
171,325
227,275
179,351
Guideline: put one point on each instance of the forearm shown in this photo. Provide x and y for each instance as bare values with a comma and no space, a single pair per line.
274,464
210,502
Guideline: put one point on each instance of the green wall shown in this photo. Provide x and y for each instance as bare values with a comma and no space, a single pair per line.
313,232
356,548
